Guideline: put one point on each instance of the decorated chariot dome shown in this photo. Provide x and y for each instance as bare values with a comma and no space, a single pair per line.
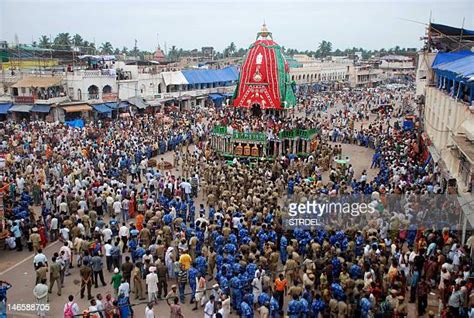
264,82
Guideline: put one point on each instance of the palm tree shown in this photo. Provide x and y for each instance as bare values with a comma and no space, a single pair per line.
44,42
231,48
173,53
106,48
77,40
124,50
324,49
62,41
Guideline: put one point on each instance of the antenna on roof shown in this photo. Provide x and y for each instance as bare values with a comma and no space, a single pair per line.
414,21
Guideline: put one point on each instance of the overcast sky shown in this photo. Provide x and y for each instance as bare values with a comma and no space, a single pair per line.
300,24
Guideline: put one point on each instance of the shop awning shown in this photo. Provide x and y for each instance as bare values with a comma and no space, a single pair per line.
155,103
41,108
227,74
123,105
174,78
465,146
102,108
21,108
434,153
77,108
216,97
4,107
138,102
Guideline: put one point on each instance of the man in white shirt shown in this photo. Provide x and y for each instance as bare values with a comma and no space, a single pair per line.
152,284
40,258
63,207
108,256
125,206
117,207
124,288
124,232
209,308
72,305
187,188
107,233
54,228
149,311
64,233
66,256
93,309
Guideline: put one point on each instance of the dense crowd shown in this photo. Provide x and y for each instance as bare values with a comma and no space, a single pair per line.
214,230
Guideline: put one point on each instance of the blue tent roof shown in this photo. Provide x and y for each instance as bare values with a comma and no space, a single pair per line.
41,108
112,105
211,76
4,107
449,30
460,69
216,97
102,108
450,57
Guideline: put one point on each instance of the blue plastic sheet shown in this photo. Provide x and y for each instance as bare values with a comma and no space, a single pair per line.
78,123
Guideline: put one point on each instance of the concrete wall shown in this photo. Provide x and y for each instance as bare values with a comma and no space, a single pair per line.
444,116
318,71
79,82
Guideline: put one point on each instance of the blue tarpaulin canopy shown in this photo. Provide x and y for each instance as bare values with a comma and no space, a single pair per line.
442,58
78,123
460,69
102,108
449,30
116,105
4,107
227,74
40,108
21,108
215,97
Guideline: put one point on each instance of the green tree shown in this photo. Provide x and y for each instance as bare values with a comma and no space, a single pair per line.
117,51
106,48
231,49
44,42
324,49
124,50
173,53
77,40
62,41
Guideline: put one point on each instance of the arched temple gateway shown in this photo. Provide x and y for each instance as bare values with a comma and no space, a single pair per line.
264,86
264,82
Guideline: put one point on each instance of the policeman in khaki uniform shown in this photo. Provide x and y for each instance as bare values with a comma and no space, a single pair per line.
41,273
137,282
35,240
55,275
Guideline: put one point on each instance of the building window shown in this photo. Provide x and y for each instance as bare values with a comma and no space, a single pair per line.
23,90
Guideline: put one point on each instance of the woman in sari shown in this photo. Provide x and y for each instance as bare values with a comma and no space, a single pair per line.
131,207
42,233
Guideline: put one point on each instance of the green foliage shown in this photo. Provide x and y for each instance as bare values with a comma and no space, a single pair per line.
106,48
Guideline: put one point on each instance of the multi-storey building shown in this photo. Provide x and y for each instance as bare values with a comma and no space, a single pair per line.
308,70
449,114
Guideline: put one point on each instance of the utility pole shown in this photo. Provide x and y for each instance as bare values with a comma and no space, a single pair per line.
462,31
